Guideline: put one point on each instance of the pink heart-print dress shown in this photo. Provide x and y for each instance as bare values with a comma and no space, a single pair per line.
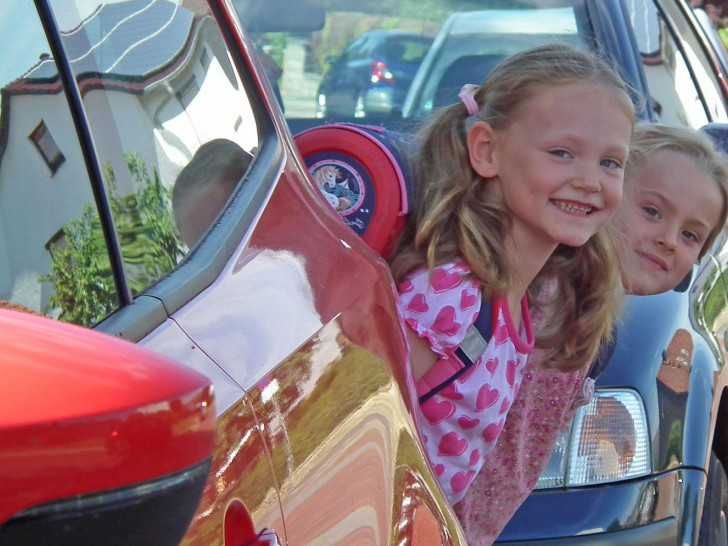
461,423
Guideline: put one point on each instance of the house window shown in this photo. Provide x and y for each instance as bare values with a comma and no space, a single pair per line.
57,241
47,147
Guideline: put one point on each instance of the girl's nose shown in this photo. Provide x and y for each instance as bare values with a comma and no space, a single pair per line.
589,180
667,240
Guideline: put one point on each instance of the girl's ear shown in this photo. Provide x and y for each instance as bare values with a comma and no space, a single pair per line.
481,140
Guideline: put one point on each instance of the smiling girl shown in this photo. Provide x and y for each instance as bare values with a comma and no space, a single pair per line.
512,184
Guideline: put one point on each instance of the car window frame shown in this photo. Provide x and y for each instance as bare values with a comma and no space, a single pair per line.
689,31
134,318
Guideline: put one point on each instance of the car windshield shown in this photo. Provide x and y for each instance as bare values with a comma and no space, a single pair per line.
393,63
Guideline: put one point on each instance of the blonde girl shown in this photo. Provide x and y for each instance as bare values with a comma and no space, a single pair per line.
513,185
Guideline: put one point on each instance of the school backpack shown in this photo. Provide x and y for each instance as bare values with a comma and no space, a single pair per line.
361,172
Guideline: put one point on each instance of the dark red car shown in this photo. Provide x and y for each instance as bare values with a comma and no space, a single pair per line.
278,304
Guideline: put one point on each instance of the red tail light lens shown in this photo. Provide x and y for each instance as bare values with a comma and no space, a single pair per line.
380,73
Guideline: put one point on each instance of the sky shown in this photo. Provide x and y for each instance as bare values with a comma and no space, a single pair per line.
22,39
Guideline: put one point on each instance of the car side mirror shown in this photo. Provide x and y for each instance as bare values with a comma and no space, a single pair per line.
101,440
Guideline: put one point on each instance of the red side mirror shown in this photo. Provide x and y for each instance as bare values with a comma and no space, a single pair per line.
101,441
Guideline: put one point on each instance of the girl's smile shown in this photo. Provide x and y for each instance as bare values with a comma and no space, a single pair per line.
573,208
652,261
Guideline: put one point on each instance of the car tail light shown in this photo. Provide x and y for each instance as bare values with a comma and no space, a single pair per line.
380,73
608,441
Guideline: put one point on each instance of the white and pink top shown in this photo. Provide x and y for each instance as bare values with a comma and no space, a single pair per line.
461,422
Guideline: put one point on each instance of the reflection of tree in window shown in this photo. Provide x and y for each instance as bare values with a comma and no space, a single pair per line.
47,147
81,276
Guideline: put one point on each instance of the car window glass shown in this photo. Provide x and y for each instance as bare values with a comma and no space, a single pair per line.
674,96
354,50
158,86
51,245
411,51
394,80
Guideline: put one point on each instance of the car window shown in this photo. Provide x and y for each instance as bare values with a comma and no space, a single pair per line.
422,56
464,41
675,97
161,101
50,244
355,50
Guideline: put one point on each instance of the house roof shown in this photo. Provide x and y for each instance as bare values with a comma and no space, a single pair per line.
126,39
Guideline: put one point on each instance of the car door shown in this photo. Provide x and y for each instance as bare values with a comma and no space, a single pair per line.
105,108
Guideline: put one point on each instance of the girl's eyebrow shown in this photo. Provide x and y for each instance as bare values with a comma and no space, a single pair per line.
656,195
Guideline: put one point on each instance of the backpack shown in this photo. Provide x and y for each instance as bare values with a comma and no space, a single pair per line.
361,172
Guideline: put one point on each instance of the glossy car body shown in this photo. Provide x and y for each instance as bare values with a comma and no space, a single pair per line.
372,75
280,306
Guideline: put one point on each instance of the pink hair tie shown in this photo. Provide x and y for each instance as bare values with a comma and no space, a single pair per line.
467,95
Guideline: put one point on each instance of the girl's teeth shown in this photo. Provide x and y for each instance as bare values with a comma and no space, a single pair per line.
574,209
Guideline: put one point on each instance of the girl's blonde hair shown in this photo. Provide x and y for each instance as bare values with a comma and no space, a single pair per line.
694,145
453,217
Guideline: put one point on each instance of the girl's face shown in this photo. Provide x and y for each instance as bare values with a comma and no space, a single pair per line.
668,211
558,167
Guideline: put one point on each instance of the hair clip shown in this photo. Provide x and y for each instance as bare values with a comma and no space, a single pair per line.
467,96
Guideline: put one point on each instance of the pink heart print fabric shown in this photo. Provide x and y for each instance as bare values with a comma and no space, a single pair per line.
461,423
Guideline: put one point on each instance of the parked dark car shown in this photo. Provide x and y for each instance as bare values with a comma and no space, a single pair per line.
372,75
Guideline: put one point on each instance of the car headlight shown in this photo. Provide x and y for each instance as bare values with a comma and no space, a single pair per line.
608,441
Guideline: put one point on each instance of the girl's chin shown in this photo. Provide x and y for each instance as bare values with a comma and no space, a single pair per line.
644,286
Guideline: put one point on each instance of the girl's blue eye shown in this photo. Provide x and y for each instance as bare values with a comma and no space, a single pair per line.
690,235
560,153
651,211
610,163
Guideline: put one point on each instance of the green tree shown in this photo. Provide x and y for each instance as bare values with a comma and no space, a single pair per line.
83,285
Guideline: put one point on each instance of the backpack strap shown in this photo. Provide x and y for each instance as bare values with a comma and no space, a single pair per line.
473,345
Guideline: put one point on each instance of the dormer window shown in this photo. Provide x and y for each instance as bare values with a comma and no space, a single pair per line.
47,147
